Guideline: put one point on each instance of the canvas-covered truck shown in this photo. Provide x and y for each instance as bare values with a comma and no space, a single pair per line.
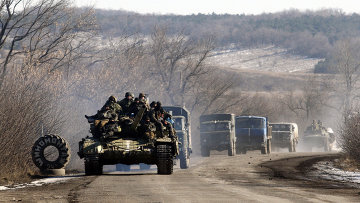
284,135
127,141
253,133
316,135
181,118
217,132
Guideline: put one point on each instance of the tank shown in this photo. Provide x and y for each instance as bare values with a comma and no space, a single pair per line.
316,135
127,141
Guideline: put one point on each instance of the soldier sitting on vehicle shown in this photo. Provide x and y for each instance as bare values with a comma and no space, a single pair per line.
153,115
165,119
143,100
126,102
110,104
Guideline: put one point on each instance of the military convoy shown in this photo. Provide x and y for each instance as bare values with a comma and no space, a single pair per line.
316,135
217,132
285,135
131,142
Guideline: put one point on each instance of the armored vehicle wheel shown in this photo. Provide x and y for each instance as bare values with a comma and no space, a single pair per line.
93,166
205,151
165,161
268,151
231,149
184,154
50,152
264,149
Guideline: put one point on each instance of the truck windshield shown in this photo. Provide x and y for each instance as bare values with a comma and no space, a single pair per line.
214,126
280,127
178,123
250,123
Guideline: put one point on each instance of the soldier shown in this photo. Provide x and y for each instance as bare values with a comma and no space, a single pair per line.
143,100
153,115
126,102
135,107
164,117
110,107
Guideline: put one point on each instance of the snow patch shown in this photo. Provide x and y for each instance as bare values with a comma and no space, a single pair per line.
44,181
326,170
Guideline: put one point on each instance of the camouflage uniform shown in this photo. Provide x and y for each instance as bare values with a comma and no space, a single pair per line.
153,116
126,102
163,116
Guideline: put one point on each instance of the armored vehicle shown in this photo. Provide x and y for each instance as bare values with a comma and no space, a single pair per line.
253,133
318,136
181,117
285,135
217,132
129,141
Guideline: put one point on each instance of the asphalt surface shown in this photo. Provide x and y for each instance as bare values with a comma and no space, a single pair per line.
279,177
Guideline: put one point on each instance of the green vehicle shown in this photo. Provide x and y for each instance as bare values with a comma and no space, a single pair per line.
181,117
217,132
129,142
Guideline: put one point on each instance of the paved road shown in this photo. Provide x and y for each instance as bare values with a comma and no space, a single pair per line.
219,178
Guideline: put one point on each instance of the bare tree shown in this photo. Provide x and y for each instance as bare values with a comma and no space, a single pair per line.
178,61
347,64
44,32
310,100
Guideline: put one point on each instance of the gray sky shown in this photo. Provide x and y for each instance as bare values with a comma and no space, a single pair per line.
185,7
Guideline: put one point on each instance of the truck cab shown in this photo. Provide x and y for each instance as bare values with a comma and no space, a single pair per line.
285,135
253,133
217,132
181,117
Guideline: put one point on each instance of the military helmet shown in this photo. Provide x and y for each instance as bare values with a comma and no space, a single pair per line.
141,95
112,98
153,104
127,94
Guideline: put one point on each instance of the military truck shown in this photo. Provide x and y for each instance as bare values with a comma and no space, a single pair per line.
217,132
127,141
181,117
284,135
316,135
253,133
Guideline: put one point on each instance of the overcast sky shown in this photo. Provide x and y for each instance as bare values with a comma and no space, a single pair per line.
185,7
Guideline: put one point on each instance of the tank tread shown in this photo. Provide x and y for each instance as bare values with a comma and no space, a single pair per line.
93,166
165,162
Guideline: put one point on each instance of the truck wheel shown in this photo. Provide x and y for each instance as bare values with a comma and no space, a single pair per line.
264,149
291,146
243,150
205,151
165,161
268,151
93,166
231,149
184,154
50,152
294,146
